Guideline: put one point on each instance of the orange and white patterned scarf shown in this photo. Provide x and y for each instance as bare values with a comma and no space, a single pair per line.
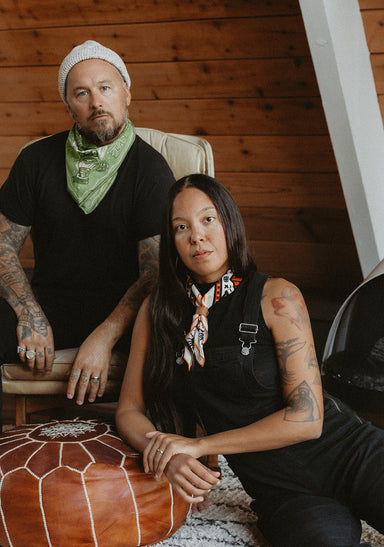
198,332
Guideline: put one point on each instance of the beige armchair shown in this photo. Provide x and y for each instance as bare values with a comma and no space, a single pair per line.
185,155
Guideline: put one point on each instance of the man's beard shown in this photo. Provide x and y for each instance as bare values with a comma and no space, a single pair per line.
104,133
101,135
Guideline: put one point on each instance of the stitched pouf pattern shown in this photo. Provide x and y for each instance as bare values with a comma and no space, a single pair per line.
75,483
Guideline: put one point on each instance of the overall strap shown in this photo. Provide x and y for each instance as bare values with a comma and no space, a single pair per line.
249,328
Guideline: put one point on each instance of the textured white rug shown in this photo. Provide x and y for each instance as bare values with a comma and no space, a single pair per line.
230,521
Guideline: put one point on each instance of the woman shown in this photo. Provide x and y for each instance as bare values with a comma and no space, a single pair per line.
229,348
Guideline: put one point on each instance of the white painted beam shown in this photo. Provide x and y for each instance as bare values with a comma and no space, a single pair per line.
341,59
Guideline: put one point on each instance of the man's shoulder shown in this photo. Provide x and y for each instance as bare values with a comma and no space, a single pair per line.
144,147
148,159
57,140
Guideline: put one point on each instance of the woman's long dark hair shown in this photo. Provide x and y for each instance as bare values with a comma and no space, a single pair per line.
169,302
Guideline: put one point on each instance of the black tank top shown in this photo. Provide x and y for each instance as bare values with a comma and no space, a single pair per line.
233,389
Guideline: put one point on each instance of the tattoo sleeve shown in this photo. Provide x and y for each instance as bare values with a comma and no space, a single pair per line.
148,252
290,305
302,405
15,288
284,350
13,282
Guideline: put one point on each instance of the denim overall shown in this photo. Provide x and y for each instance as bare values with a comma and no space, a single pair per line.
312,493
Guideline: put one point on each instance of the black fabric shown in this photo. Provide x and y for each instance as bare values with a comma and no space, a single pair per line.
355,369
233,390
74,251
83,263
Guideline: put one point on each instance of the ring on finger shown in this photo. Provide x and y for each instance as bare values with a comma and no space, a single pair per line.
95,379
30,354
159,450
20,349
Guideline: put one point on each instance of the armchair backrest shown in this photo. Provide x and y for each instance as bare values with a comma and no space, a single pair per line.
185,154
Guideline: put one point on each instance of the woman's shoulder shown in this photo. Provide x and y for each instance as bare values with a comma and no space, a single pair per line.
278,286
279,297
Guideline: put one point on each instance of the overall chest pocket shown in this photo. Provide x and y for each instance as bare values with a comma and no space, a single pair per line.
228,371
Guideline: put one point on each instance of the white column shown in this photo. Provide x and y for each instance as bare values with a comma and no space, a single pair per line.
341,58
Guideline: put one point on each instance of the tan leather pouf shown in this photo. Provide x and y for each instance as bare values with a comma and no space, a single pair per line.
74,483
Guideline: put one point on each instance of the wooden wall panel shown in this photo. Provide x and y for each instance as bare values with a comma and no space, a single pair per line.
189,79
373,19
33,14
238,72
182,40
192,116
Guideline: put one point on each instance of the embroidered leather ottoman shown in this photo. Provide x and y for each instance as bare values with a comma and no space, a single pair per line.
75,483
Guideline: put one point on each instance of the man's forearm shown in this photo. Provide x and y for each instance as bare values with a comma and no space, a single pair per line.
14,285
125,312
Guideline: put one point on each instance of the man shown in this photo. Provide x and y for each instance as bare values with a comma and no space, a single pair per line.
92,199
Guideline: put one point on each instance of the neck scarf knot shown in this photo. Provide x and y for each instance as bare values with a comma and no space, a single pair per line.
91,170
198,333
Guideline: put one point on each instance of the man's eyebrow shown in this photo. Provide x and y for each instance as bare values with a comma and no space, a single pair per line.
100,82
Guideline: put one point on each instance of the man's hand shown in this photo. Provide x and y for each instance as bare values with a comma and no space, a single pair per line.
35,340
90,368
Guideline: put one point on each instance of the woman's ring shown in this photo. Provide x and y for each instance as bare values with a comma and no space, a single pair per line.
161,451
95,379
30,354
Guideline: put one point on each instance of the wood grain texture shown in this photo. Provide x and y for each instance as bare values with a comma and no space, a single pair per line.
239,73
222,78
245,38
33,14
191,116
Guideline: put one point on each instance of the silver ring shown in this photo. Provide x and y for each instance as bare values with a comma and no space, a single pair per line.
30,354
159,450
20,349
95,379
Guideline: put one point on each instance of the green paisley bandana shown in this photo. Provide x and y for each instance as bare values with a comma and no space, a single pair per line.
91,169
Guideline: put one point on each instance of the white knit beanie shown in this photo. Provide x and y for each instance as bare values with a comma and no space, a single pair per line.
90,50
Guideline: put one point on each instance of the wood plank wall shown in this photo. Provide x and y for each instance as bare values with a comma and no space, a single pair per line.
238,73
373,19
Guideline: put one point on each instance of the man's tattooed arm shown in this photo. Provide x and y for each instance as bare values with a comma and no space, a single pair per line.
33,330
14,285
148,252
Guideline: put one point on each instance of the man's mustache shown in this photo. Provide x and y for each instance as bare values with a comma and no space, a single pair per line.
97,113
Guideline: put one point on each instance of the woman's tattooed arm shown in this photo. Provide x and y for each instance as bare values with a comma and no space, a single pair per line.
300,375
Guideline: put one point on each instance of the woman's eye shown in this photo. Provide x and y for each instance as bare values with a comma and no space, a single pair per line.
180,227
210,219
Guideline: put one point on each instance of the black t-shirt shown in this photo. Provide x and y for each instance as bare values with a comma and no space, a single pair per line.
75,251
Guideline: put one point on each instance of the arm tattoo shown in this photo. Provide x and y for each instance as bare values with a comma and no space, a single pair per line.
148,267
291,306
12,235
30,321
311,360
285,350
14,285
302,405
